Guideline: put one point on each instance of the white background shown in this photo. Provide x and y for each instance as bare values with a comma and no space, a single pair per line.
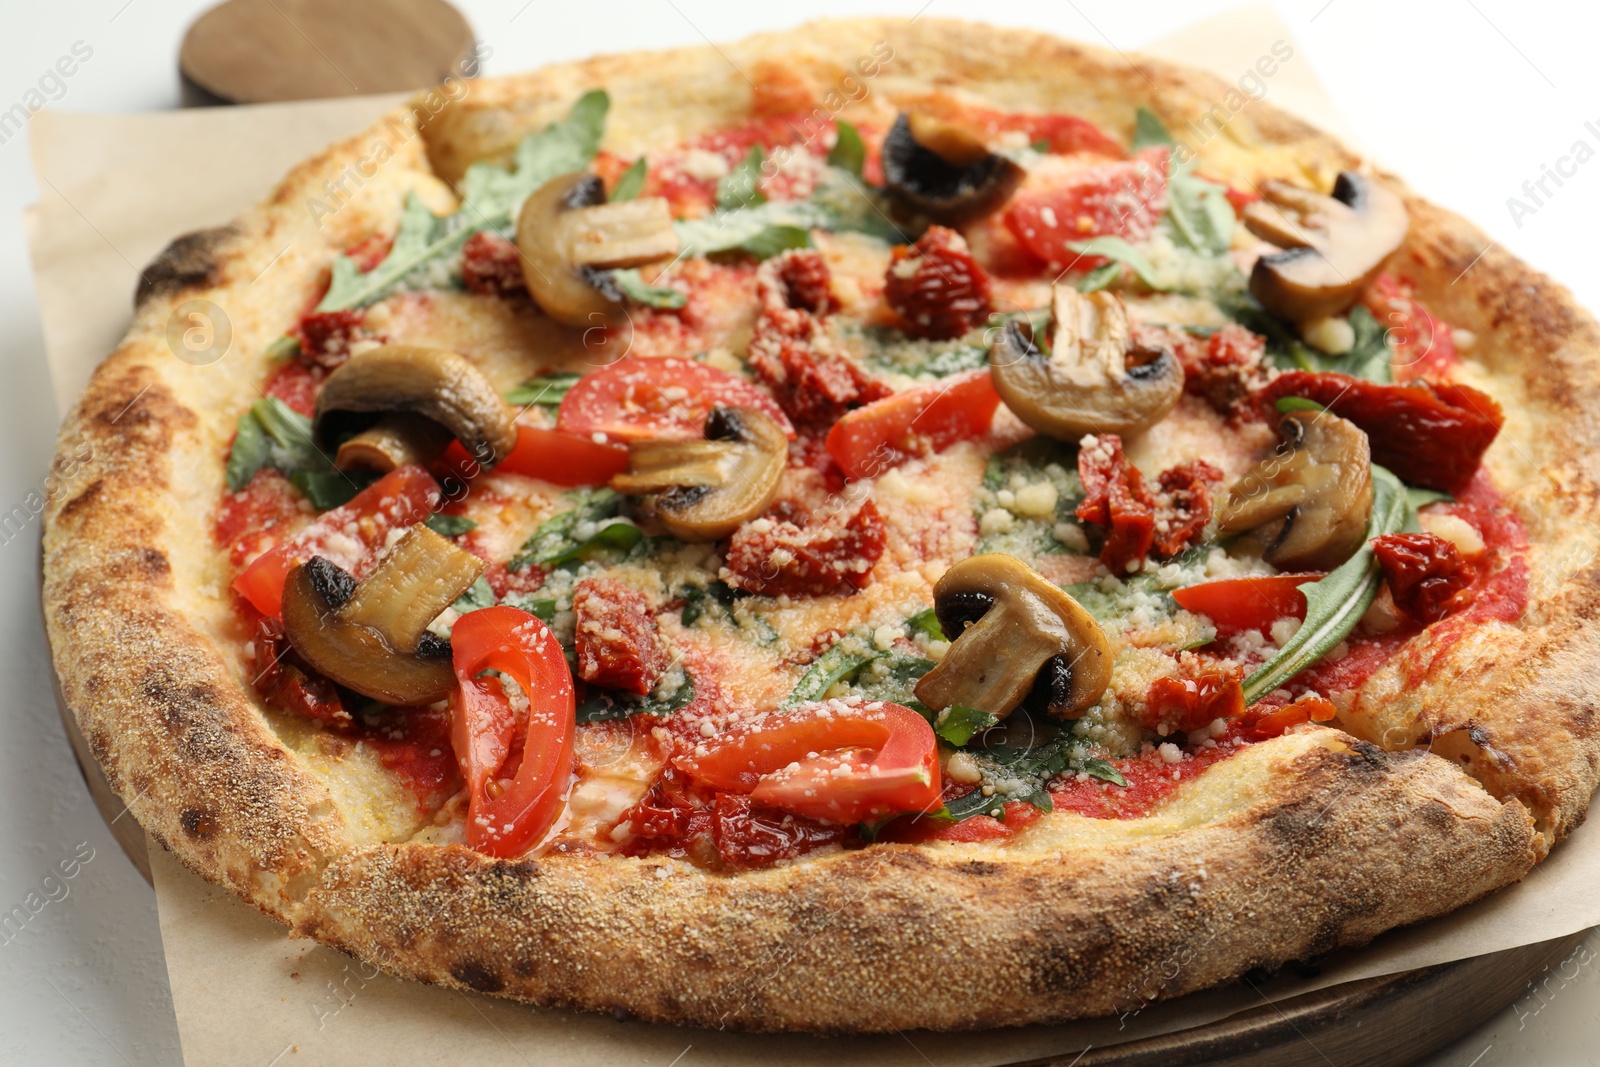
1468,99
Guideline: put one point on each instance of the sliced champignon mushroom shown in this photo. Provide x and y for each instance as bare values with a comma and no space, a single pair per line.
398,404
1309,502
939,170
570,238
1016,638
1333,246
1093,379
705,489
372,636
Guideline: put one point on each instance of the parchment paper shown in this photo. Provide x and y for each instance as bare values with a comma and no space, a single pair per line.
114,190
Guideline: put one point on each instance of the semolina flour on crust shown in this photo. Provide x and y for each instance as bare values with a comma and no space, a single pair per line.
1459,765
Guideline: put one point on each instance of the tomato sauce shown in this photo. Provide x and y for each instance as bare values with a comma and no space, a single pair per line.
258,516
1151,782
413,744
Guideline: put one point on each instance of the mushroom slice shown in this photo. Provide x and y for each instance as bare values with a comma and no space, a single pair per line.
400,404
1309,502
1016,637
569,237
372,636
939,170
1333,246
1093,379
705,489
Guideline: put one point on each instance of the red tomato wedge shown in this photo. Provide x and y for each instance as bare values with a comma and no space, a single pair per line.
929,418
664,398
350,535
1108,200
507,815
556,457
1239,604
841,763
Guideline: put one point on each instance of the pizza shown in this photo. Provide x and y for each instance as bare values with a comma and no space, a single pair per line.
855,530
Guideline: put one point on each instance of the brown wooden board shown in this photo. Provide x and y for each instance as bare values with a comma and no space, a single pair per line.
260,51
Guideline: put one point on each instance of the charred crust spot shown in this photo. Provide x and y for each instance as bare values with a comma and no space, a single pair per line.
197,823
154,563
978,868
193,261
475,975
523,968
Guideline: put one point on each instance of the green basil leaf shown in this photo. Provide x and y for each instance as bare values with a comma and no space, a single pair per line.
547,390
606,704
328,489
848,151
1149,131
1199,211
740,187
631,182
926,621
635,288
1118,251
449,525
251,451
840,203
1335,604
959,724
1369,356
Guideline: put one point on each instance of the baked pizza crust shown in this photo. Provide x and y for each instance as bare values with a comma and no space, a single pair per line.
1293,847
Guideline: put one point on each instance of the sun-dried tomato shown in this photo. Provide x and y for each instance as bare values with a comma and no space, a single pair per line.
1185,704
326,336
285,682
936,287
1427,575
750,835
813,381
1115,497
807,281
782,558
491,265
1222,369
1183,507
615,637
1428,433
1267,721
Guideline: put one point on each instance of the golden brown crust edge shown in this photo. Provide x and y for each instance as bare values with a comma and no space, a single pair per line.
169,717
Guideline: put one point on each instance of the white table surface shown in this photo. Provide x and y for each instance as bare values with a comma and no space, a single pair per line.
1468,99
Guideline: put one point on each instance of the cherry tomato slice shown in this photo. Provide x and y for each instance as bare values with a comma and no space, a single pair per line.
929,418
349,535
842,763
1109,200
1253,603
507,815
664,398
556,457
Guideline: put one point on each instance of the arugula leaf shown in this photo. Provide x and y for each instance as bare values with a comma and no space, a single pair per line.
740,186
490,197
547,390
605,704
1335,603
839,663
926,621
579,532
848,151
1149,131
1118,251
635,288
1199,210
272,434
478,595
327,489
631,182
891,676
1100,277
840,203
449,525
775,240
959,724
